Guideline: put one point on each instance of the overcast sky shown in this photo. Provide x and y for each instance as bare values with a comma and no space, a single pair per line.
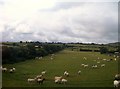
50,20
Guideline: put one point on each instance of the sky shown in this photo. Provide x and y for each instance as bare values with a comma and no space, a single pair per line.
86,21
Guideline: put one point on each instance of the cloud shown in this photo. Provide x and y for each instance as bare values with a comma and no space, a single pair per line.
61,21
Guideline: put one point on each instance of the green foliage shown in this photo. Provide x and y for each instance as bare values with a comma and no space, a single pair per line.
13,53
103,50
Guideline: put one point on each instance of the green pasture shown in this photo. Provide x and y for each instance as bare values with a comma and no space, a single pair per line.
64,60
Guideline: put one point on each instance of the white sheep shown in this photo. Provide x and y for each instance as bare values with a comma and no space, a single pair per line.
64,81
116,83
104,59
13,69
40,57
117,77
82,64
98,62
115,59
102,65
31,80
79,72
85,66
66,73
39,76
40,80
58,78
4,69
94,66
43,72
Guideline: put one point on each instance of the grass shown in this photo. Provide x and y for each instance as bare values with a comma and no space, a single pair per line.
64,60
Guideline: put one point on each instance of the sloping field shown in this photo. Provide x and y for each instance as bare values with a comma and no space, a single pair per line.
65,60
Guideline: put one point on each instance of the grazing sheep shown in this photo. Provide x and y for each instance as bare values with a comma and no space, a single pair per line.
117,77
85,66
58,77
13,69
4,69
58,81
40,81
94,66
82,64
66,73
31,80
43,72
102,65
64,81
40,57
116,83
39,76
117,56
104,59
115,59
98,62
79,72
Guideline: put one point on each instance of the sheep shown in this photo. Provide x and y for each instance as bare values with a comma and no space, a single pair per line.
40,80
104,59
66,73
39,76
85,66
115,59
58,77
94,66
40,57
98,62
102,65
116,83
58,81
117,77
64,81
11,70
31,80
117,56
43,72
79,72
82,64
4,69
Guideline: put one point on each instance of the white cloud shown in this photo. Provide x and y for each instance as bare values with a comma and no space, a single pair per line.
35,20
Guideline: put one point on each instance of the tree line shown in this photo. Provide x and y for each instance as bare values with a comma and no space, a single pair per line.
21,52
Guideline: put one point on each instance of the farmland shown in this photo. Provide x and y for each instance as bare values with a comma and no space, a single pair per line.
64,60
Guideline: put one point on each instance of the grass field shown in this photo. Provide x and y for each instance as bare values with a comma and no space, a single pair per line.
63,60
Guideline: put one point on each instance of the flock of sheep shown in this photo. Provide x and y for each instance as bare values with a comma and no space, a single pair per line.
40,78
60,79
11,70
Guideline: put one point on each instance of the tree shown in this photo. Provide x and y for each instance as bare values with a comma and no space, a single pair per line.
103,50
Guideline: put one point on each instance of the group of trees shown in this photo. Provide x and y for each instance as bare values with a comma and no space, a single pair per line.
12,54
